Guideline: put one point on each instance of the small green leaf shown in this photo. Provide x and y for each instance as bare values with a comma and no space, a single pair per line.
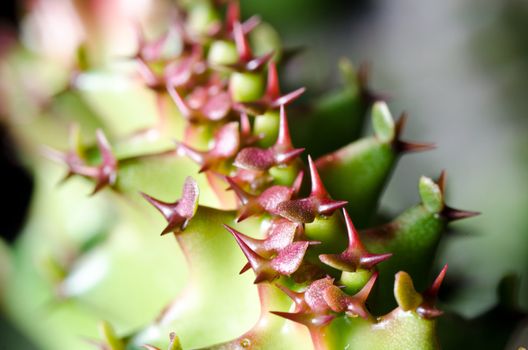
404,292
383,122
110,337
431,195
348,72
175,343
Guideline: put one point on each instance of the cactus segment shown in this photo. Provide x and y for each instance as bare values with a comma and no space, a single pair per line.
412,238
358,172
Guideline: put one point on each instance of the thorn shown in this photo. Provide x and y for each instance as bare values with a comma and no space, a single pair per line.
371,260
297,297
105,149
297,183
179,213
259,62
309,320
258,263
245,126
197,156
273,88
452,214
364,293
250,24
318,189
233,15
356,255
180,103
353,237
405,146
286,157
242,45
328,206
284,138
288,98
242,195
245,268
442,181
432,292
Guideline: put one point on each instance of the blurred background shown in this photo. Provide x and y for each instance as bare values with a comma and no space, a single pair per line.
459,68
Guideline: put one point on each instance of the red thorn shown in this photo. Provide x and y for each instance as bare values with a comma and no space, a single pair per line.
163,207
452,214
364,293
251,242
353,237
297,183
288,98
258,263
242,195
244,51
309,320
355,256
197,156
400,124
233,15
442,181
286,157
245,268
432,292
246,212
104,148
427,309
259,62
273,89
250,24
328,206
318,189
168,211
245,126
283,139
297,297
99,185
429,312
179,213
180,103
405,146
370,260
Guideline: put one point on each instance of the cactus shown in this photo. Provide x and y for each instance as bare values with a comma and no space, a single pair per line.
189,137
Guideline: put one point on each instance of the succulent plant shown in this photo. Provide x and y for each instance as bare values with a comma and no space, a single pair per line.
190,137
